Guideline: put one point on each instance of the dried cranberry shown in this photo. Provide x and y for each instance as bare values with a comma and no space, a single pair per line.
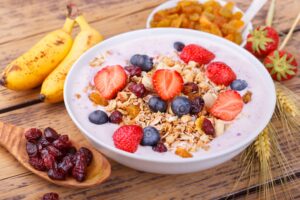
88,154
37,163
160,147
44,142
62,142
56,174
197,104
54,151
207,127
116,117
50,196
31,149
71,151
66,164
133,70
50,134
79,170
49,159
189,88
138,89
33,134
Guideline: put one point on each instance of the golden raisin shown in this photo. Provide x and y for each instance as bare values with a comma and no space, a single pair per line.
183,153
96,98
247,97
133,111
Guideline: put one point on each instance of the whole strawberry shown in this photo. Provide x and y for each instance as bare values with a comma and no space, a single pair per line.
262,41
193,52
281,65
220,73
128,137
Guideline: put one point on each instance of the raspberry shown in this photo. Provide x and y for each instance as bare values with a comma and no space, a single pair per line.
128,137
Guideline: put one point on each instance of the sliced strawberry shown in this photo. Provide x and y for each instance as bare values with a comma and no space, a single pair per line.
281,65
220,73
227,106
196,53
167,83
110,80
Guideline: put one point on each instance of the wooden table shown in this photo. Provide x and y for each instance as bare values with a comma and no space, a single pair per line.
23,22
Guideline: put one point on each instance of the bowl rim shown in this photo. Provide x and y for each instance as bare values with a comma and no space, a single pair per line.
172,3
152,31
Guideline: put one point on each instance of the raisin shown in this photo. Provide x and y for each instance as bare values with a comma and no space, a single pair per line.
190,88
197,105
207,127
31,149
160,147
56,174
50,196
116,117
66,164
133,70
138,89
62,142
49,159
88,154
54,151
37,163
50,134
33,134
79,170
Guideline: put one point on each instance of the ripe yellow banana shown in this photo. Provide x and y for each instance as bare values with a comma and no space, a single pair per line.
53,86
30,69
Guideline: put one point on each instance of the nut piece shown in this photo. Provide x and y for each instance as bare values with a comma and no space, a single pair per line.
183,153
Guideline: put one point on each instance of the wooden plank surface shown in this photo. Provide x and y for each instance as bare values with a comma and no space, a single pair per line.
110,17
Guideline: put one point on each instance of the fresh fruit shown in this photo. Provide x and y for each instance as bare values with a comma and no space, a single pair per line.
178,46
151,136
50,196
238,85
207,127
281,65
181,106
143,61
116,117
167,83
110,80
138,89
262,41
160,147
53,86
133,70
33,134
197,105
98,117
156,104
128,137
220,73
227,106
193,52
30,69
190,88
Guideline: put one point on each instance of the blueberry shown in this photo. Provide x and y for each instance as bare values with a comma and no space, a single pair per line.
181,106
98,117
151,136
143,61
178,46
238,85
157,104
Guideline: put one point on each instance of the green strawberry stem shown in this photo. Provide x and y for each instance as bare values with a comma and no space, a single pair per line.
289,35
270,15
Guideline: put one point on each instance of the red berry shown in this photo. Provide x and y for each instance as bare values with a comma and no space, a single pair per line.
50,134
49,159
220,73
50,196
66,164
79,170
37,163
62,142
193,52
54,151
31,149
33,134
128,137
138,89
116,117
133,70
207,127
160,147
56,174
88,155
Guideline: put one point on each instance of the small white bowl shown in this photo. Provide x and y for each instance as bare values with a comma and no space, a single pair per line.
253,119
173,3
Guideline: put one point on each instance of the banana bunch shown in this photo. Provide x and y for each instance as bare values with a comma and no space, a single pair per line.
48,62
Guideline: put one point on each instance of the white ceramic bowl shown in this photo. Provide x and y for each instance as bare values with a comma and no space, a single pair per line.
173,3
241,133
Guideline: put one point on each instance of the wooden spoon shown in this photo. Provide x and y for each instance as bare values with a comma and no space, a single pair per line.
13,139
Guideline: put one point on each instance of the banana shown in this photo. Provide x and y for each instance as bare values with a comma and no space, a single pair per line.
53,86
30,69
